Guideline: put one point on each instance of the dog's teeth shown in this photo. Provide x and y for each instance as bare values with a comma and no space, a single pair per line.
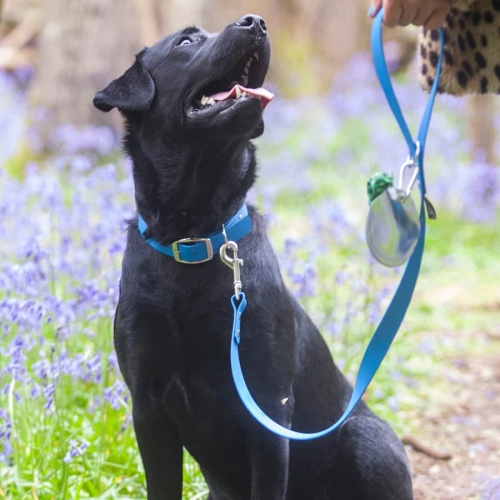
257,57
245,80
246,70
238,92
244,94
249,63
283,401
207,101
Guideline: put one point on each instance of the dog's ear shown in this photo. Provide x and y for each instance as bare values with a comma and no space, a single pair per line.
133,91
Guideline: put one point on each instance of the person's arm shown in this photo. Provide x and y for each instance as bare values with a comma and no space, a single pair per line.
428,13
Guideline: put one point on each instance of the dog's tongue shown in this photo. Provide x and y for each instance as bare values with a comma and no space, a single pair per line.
265,96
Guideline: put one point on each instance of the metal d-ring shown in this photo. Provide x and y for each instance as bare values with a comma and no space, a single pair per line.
224,233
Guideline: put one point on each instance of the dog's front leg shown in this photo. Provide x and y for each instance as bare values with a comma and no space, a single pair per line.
269,459
161,453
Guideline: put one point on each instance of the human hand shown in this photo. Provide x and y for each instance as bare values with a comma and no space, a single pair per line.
428,13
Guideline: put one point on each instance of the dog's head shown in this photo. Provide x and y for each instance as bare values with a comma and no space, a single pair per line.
197,83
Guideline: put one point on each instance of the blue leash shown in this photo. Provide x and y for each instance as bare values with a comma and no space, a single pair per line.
390,323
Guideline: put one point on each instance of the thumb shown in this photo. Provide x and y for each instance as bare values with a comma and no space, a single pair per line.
375,6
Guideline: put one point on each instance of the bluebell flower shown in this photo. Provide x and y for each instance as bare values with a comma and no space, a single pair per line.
76,449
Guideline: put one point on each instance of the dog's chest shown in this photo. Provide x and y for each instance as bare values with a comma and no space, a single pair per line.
193,392
182,354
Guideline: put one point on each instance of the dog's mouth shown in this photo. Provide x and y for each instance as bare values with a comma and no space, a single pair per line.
242,83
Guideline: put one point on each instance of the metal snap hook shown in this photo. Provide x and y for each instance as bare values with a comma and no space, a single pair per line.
233,263
412,162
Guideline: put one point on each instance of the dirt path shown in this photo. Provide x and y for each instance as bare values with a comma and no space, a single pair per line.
462,421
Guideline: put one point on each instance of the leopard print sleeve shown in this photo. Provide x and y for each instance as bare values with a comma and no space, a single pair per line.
472,49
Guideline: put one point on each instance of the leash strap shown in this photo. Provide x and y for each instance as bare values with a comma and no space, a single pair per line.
390,323
199,250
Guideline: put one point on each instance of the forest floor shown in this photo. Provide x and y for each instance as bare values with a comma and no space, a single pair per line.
460,429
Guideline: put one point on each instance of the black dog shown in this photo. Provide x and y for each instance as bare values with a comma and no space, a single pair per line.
192,103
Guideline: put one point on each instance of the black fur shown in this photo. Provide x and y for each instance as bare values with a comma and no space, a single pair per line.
192,171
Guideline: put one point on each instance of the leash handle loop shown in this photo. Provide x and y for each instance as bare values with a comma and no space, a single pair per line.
393,317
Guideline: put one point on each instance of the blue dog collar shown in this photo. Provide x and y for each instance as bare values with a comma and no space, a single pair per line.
199,250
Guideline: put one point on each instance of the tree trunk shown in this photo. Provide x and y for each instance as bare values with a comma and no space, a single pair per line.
481,111
177,14
83,46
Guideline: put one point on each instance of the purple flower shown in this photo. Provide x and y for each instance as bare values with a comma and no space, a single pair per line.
49,392
76,449
42,369
491,490
116,395
5,437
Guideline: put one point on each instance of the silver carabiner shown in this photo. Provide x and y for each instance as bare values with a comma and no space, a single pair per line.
410,163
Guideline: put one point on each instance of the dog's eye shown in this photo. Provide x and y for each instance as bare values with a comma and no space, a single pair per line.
185,41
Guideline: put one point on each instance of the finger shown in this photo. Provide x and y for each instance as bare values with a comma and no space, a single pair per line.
421,18
437,18
408,15
392,14
374,8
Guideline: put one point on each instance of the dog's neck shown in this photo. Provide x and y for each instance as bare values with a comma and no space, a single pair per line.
186,192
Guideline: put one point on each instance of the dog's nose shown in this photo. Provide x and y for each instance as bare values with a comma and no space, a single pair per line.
252,22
